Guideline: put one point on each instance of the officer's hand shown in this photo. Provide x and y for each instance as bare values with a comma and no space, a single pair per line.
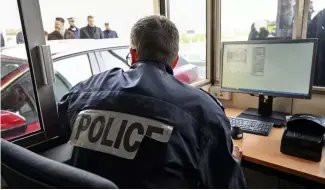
237,153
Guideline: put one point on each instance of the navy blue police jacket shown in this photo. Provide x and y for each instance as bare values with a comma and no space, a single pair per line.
112,117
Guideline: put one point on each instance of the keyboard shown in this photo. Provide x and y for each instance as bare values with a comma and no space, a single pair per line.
252,126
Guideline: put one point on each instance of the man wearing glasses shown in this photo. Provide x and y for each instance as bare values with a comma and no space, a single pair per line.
142,128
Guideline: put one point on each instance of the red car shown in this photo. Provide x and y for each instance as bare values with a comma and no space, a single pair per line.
73,61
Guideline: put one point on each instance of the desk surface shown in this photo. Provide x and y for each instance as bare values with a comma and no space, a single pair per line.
266,151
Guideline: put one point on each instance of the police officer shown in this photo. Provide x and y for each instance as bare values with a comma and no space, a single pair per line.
142,128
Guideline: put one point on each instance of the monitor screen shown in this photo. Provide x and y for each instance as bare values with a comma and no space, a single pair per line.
271,68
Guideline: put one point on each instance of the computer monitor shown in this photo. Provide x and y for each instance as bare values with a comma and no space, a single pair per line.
268,68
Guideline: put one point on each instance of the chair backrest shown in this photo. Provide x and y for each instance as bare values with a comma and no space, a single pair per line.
22,168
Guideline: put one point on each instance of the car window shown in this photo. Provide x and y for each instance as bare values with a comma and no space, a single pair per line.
9,65
61,87
74,69
18,99
111,61
122,52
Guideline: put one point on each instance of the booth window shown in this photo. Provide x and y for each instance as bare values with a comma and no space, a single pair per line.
256,20
190,17
243,20
316,29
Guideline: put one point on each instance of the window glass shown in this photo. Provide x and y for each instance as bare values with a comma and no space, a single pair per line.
18,109
255,19
123,53
61,86
120,15
316,29
111,61
190,19
74,69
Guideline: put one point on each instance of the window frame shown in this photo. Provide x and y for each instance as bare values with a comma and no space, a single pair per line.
210,64
33,34
33,31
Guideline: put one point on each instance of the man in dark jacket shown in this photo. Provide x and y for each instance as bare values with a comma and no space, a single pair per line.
108,32
91,31
73,28
20,38
142,128
316,29
2,40
60,33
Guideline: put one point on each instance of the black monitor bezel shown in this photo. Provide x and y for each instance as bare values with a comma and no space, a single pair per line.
310,40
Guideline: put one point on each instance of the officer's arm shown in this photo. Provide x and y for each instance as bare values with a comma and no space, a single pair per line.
218,168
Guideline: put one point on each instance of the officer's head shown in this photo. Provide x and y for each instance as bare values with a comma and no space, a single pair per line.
59,23
154,38
91,21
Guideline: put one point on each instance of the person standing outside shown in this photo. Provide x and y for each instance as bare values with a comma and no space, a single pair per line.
91,31
20,38
108,32
60,33
2,40
73,28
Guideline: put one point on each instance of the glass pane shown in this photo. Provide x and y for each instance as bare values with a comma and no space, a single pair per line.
255,19
79,62
18,107
192,30
316,29
120,15
111,61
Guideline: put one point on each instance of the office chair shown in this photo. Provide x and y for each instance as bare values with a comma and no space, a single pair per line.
22,168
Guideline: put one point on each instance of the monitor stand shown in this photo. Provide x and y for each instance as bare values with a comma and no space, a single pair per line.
264,112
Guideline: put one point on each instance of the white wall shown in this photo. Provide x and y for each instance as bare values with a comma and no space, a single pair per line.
314,106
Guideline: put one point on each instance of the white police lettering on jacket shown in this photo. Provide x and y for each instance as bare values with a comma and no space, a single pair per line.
116,133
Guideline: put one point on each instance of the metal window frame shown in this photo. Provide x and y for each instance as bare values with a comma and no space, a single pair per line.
210,37
32,26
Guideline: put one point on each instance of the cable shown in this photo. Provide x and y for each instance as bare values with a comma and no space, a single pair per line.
292,105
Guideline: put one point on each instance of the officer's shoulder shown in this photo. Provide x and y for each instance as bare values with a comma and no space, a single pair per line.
210,99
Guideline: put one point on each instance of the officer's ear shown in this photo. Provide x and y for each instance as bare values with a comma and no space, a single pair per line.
133,53
174,63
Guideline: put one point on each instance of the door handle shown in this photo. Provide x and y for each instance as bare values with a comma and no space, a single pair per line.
46,65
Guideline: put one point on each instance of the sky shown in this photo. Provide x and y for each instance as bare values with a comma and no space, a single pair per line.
122,14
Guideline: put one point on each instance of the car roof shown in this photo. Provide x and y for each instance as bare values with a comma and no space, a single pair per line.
60,48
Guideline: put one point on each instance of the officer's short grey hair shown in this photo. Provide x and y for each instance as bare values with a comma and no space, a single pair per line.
155,38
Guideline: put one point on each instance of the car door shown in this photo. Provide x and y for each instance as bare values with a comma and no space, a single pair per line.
18,108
